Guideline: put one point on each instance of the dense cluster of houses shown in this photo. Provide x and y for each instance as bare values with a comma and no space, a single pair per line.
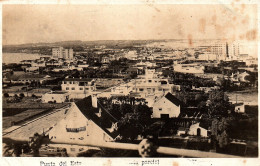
86,120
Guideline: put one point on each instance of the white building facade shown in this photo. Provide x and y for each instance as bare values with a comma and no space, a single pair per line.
55,97
60,52
78,87
78,127
166,107
196,129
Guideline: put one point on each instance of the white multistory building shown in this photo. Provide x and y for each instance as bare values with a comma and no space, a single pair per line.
78,87
233,50
224,50
152,86
60,52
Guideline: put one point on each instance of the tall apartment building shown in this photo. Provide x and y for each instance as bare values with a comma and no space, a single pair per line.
225,50
233,50
220,49
60,52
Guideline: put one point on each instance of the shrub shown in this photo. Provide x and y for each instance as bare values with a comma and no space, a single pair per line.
34,96
21,95
6,95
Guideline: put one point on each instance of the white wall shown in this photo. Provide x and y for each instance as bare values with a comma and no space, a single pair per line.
75,119
59,98
240,109
166,107
193,130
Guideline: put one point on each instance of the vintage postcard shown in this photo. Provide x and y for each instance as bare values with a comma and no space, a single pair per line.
141,83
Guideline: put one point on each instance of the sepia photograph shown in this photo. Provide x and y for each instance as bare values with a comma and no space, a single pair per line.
136,80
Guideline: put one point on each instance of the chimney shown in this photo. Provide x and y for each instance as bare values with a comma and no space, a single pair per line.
94,100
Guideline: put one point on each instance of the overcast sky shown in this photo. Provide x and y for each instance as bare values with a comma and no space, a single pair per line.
51,23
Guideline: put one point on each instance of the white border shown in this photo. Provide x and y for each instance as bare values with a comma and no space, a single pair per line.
6,161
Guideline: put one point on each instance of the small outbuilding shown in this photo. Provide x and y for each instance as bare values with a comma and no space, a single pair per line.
55,97
199,129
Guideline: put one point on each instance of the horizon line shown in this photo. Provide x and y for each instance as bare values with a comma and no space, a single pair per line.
108,40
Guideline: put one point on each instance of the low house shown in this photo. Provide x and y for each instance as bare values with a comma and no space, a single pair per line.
29,78
105,60
32,69
199,129
121,90
55,97
85,123
167,107
239,107
133,70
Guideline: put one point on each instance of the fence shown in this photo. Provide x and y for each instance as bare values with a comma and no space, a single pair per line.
145,148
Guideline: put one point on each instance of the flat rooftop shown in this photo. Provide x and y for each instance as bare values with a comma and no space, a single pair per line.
57,92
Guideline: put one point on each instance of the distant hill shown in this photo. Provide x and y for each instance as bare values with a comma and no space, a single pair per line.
83,43
77,45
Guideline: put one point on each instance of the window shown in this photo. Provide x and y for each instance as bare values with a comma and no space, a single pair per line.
141,89
149,80
81,83
67,88
80,88
76,130
86,88
72,88
163,82
160,109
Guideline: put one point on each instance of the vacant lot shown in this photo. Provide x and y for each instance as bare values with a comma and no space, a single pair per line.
20,117
27,109
31,103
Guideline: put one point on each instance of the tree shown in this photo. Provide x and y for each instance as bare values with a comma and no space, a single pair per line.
144,114
182,96
221,130
6,95
129,126
135,123
21,95
202,106
219,104
34,96
16,96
